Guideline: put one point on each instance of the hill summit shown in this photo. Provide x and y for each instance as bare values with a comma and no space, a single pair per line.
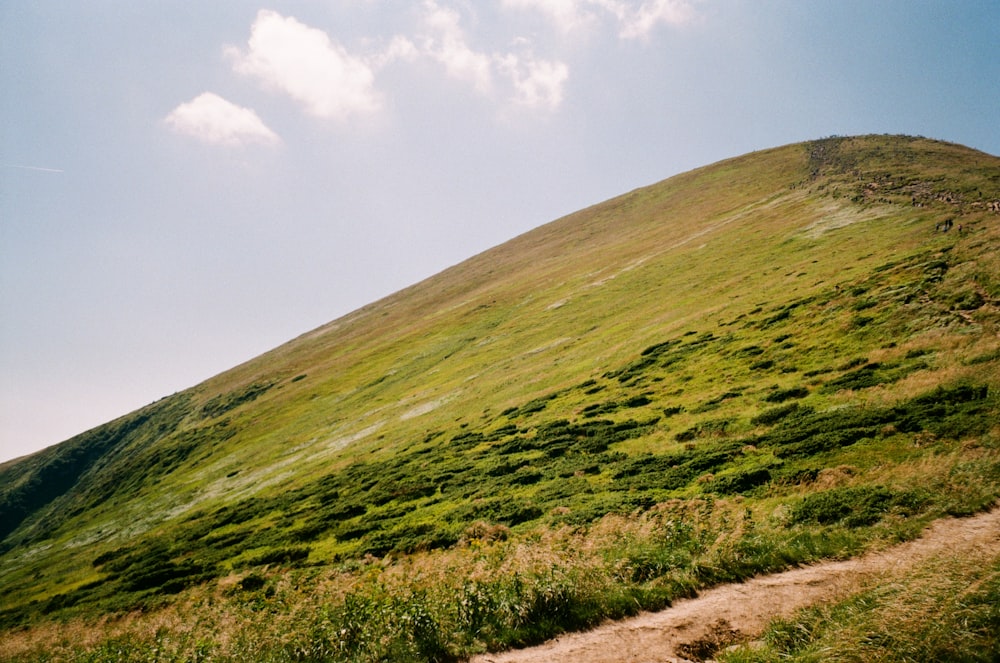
781,357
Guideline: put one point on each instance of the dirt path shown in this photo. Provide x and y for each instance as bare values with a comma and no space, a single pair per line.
695,627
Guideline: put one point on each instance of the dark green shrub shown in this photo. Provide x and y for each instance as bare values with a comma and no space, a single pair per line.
774,415
671,472
223,403
577,465
536,405
409,538
287,555
341,511
782,395
352,532
740,482
307,533
714,403
166,577
245,511
776,318
637,401
856,506
467,439
558,447
951,412
862,378
985,358
227,540
711,427
403,491
824,441
508,512
108,556
687,435
518,444
252,582
968,301
502,468
633,370
525,476
504,431
659,348
853,363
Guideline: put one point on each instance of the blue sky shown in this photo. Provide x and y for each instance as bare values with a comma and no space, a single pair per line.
184,185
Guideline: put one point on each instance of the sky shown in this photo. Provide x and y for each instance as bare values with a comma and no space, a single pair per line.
185,185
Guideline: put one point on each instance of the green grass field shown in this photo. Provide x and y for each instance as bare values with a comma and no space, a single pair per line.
772,360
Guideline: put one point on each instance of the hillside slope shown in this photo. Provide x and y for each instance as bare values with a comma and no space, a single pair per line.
737,334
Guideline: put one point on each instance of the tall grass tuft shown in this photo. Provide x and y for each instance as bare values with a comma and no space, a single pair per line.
947,610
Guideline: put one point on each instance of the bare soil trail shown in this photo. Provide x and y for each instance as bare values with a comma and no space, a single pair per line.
692,629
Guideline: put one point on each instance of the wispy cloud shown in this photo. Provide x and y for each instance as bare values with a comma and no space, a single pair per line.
635,20
211,119
537,83
639,22
566,15
400,48
529,82
304,63
445,41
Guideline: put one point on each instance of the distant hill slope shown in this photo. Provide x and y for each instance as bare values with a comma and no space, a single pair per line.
731,332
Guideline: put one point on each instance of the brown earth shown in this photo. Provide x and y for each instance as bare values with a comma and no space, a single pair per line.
694,629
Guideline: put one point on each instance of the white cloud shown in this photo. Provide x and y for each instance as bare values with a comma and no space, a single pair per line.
635,20
212,119
537,83
639,22
399,48
533,83
303,62
567,15
446,43
289,57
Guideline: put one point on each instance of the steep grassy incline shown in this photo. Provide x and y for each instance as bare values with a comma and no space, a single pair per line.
742,332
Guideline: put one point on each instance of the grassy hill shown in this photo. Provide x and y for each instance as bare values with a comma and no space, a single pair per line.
778,358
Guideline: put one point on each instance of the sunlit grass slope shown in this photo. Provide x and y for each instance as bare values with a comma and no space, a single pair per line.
784,356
